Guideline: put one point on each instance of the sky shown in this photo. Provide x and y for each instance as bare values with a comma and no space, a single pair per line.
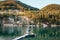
40,3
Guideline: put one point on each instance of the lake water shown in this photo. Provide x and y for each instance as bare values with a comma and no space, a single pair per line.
48,33
23,30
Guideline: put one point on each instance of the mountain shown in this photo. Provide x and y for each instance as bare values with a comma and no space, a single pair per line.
26,6
50,14
51,7
6,5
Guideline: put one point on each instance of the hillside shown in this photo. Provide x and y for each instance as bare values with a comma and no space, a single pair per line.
51,7
26,6
50,14
6,5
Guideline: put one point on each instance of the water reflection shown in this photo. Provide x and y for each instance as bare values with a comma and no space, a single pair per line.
47,33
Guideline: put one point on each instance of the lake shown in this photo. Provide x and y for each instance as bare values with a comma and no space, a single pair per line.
48,33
